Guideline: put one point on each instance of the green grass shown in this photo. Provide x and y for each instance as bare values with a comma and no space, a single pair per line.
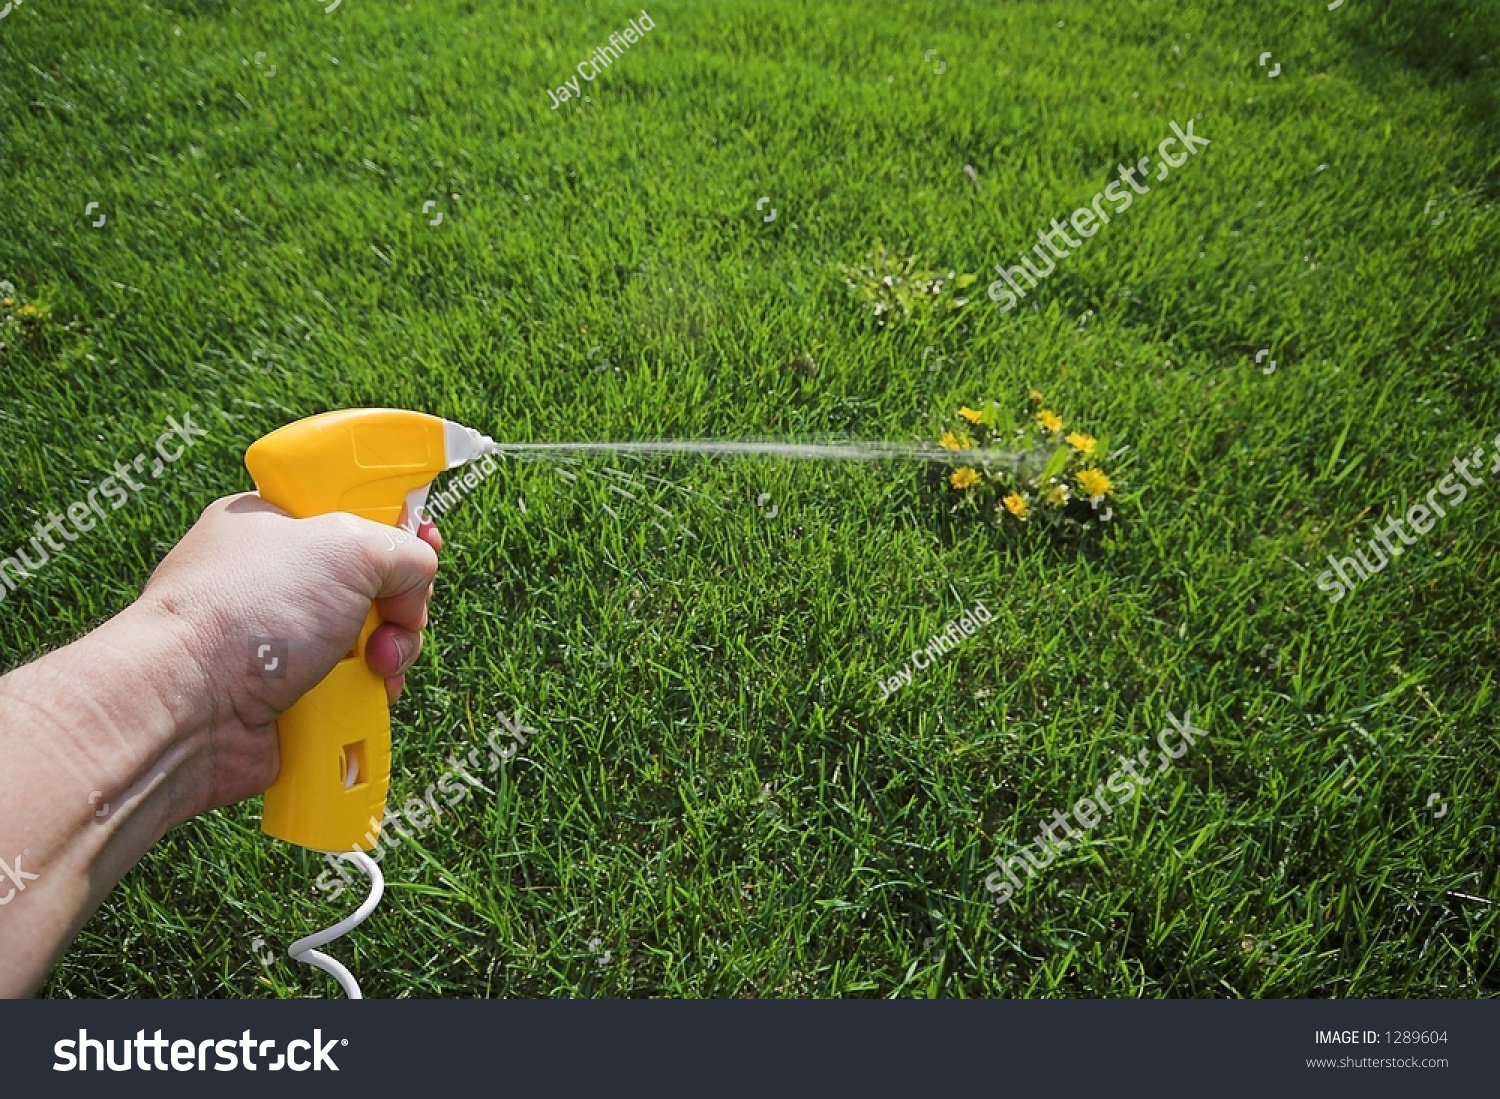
266,257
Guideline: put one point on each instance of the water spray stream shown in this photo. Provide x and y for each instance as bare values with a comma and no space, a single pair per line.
837,452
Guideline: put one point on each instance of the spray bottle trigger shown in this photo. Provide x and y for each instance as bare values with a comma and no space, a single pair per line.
411,514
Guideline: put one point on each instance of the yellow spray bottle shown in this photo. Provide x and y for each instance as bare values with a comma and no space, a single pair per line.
336,741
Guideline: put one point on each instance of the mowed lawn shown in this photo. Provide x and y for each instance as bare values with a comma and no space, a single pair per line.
717,800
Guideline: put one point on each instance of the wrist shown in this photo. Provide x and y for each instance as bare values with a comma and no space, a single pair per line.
174,711
162,654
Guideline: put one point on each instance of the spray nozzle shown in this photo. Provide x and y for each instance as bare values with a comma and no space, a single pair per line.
464,444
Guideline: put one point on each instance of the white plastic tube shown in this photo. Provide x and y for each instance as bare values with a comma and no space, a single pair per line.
305,950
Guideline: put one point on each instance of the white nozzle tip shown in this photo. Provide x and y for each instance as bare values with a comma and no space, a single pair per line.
464,444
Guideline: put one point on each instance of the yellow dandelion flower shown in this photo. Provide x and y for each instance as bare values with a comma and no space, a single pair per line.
1094,483
1016,504
1050,420
7,302
950,441
1057,497
1082,443
969,414
1036,395
963,478
26,311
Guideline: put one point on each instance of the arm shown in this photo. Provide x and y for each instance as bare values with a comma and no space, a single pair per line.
158,715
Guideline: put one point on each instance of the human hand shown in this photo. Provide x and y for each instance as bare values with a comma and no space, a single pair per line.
158,714
248,570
